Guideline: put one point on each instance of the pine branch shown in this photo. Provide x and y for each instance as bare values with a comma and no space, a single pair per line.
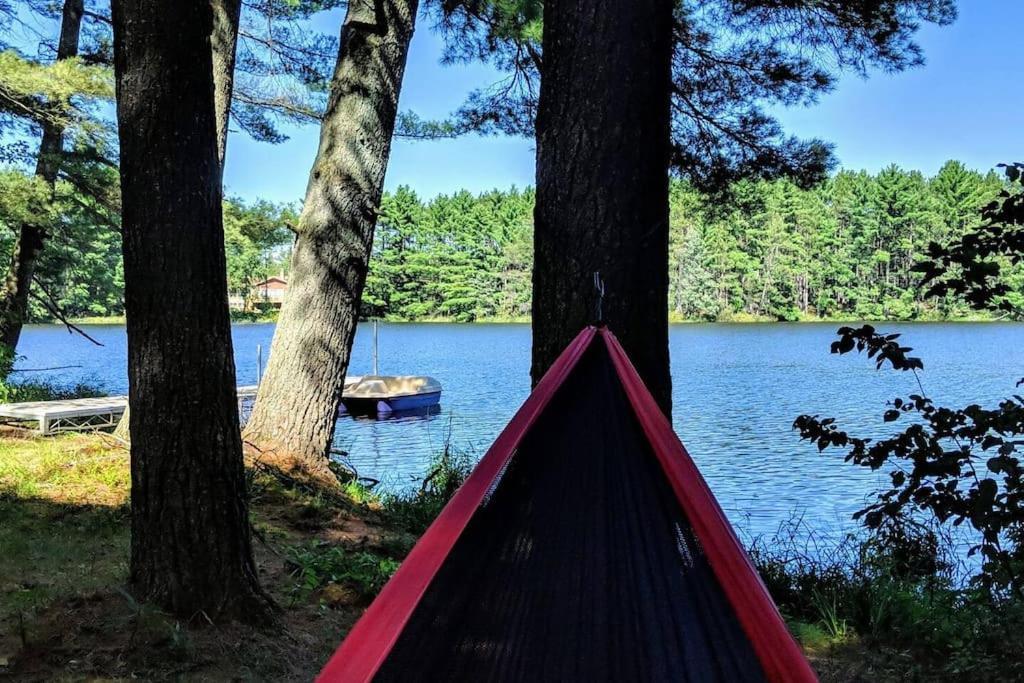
50,303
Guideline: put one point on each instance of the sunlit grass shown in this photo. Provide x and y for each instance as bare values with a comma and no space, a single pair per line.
65,469
63,519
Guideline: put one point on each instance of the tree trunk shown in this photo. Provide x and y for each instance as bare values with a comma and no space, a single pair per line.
602,180
28,245
292,422
122,431
223,41
191,550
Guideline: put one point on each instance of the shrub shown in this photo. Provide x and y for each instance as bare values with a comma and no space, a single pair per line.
318,564
414,512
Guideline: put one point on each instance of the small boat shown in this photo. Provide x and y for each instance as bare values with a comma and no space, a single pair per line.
379,394
389,393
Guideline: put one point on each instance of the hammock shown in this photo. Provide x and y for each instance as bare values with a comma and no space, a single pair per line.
584,546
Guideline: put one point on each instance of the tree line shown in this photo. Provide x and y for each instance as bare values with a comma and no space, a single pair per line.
763,249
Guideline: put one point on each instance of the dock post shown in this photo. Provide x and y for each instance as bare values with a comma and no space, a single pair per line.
375,371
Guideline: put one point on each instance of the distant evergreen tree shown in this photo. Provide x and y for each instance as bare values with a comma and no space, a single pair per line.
691,280
959,195
768,249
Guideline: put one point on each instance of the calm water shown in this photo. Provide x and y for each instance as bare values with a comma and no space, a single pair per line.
737,389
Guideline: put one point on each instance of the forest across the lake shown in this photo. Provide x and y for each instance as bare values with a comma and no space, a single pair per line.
763,250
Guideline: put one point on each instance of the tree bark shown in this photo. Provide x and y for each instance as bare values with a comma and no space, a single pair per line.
292,422
28,245
223,41
191,549
602,180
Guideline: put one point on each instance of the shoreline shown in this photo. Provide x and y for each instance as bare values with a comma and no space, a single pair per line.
738,320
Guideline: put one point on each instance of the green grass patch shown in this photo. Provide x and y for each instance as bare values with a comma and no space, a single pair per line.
65,609
63,519
50,551
65,469
317,565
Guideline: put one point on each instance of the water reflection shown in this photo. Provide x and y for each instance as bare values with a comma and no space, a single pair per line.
407,415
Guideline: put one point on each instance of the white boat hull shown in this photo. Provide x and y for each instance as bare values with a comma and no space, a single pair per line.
376,394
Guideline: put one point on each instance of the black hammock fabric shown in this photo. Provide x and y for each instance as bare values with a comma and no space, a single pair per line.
579,565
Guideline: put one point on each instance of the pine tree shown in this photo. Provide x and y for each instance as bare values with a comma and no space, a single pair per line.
733,61
191,549
602,181
292,422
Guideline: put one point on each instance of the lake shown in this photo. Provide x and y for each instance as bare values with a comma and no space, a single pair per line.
737,389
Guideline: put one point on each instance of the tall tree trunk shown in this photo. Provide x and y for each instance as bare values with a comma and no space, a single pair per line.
223,42
18,281
292,422
602,180
191,549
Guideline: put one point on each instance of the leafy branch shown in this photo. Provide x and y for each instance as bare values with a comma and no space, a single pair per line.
960,465
972,265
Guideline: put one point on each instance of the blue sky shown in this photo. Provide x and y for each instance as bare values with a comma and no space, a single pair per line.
963,104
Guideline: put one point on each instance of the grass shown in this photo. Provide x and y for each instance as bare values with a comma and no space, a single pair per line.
69,469
20,391
50,552
891,606
414,511
863,610
65,610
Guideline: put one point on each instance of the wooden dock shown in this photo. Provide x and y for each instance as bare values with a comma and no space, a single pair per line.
80,414
90,414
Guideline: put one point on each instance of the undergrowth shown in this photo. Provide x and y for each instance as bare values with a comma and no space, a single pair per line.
318,564
24,391
898,593
889,605
415,511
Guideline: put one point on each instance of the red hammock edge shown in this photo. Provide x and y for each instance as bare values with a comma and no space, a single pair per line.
781,658
373,636
371,639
